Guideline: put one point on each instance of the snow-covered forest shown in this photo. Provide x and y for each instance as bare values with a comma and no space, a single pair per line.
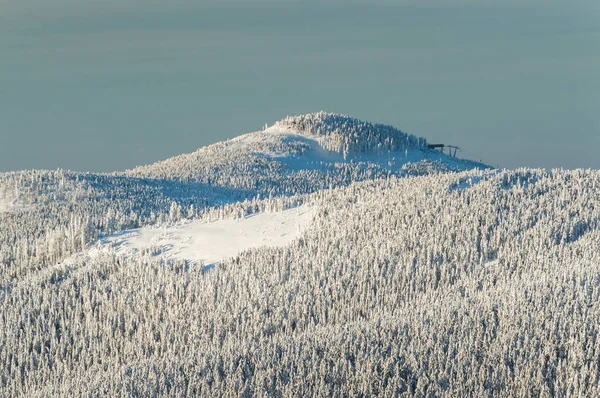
56,213
418,275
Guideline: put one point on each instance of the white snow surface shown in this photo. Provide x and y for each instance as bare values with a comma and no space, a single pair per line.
207,243
288,148
268,141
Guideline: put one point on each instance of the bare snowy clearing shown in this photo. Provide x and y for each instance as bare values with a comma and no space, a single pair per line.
208,243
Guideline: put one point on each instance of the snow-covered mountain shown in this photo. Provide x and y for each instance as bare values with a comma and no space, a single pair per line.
303,153
321,256
296,155
293,157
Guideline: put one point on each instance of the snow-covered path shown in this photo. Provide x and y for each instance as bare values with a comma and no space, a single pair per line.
209,243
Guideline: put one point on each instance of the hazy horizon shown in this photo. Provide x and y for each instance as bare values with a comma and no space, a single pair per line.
107,86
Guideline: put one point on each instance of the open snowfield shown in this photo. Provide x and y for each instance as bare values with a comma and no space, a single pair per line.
208,243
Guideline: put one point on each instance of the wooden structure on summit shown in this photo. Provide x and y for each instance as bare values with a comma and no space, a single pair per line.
442,146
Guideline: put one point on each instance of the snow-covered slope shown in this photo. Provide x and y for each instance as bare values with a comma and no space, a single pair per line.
297,150
207,243
313,151
9,201
326,228
296,156
351,263
480,283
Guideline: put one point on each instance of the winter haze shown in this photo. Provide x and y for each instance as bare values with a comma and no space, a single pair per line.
99,86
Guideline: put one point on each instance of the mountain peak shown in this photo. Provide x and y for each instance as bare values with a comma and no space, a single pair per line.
344,133
313,150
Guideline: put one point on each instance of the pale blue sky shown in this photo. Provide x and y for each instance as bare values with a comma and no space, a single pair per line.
107,85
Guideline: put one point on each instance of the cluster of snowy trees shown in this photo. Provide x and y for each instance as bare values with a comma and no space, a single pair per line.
254,161
256,174
463,284
344,134
57,213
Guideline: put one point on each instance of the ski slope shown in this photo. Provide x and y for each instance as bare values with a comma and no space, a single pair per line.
297,150
208,243
306,153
